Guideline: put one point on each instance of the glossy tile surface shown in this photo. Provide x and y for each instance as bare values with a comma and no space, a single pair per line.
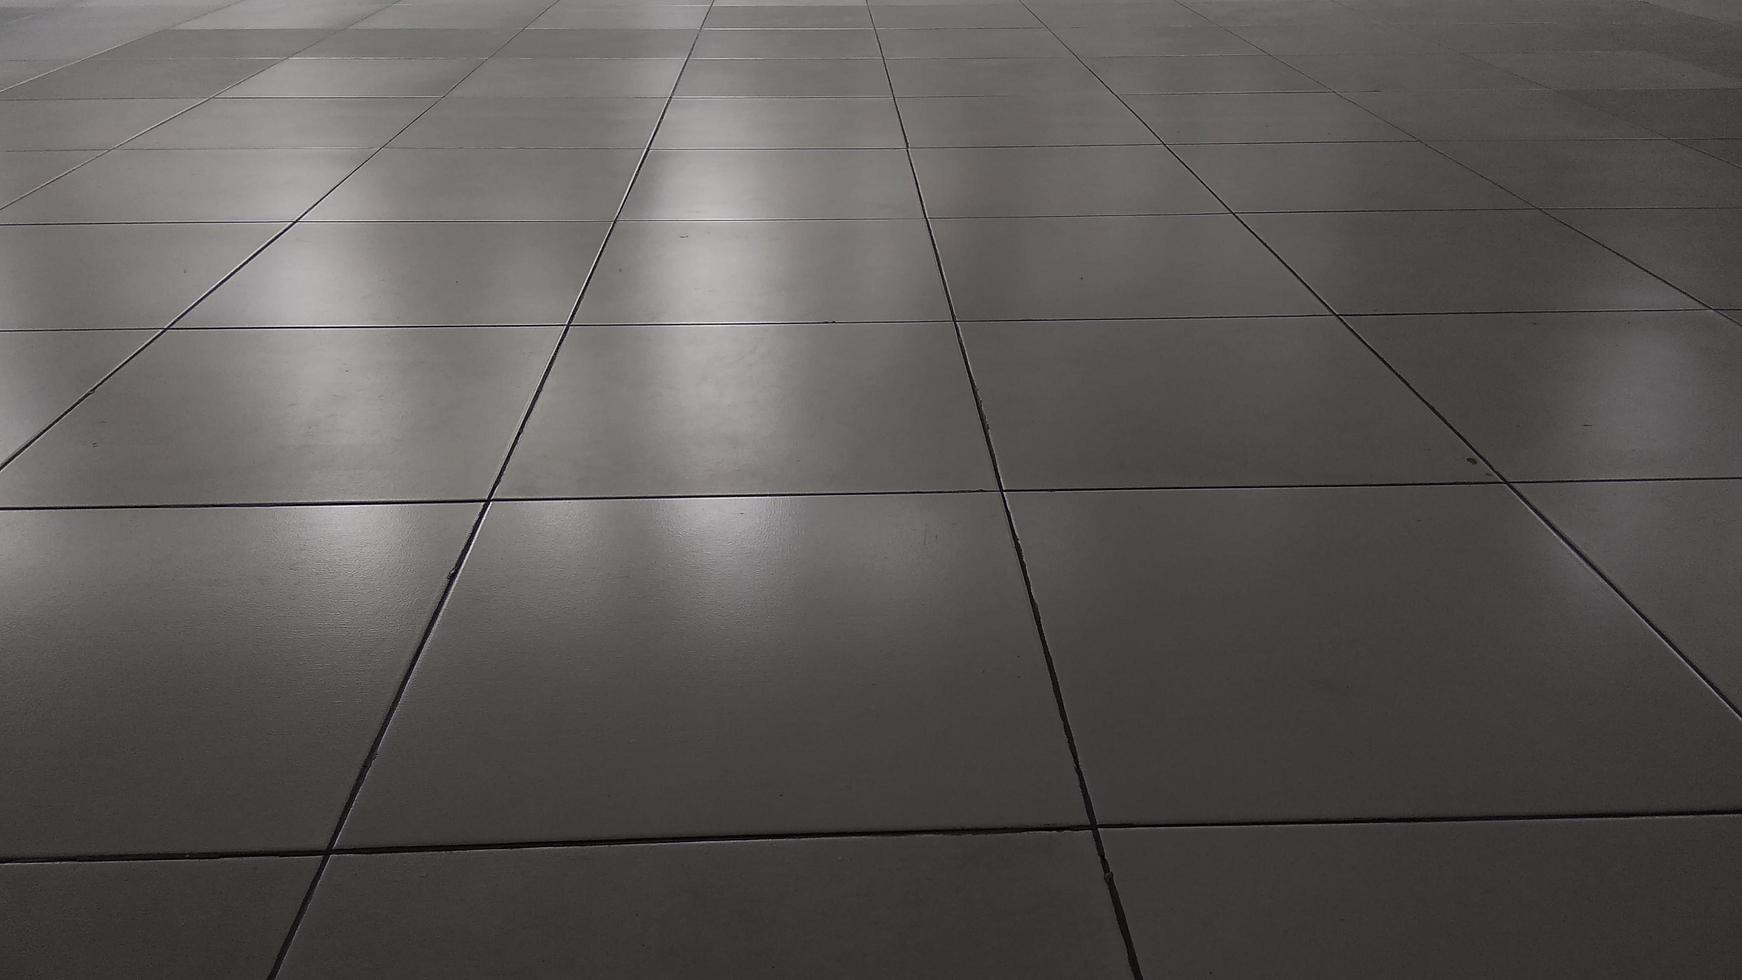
651,488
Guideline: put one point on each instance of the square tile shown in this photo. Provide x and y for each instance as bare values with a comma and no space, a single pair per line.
1696,251
189,185
1331,639
788,77
918,906
1603,173
1129,40
283,124
151,273
498,14
25,170
1457,262
536,122
753,620
224,678
1339,177
183,44
1058,180
788,17
774,123
83,124
990,43
132,918
605,43
952,15
753,409
1679,113
1573,396
307,78
483,185
573,77
1671,547
1608,69
411,43
308,15
1335,38
812,43
1226,402
1637,897
1306,117
43,372
1200,74
1090,268
740,184
1494,114
992,76
1064,119
1152,13
409,274
765,271
226,416
189,78
1404,72
14,72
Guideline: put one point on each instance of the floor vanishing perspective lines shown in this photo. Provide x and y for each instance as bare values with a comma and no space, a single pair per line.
827,489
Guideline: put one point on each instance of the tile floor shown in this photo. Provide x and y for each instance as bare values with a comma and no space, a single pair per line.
816,489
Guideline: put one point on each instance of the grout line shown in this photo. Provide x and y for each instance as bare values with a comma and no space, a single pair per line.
1118,907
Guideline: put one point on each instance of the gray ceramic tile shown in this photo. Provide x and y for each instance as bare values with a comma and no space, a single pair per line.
1681,113
43,372
1034,42
1572,396
131,918
753,271
13,72
787,17
1331,639
1202,74
1336,39
1129,40
410,43
1453,900
753,408
992,76
1696,251
1143,14
1672,548
225,416
151,273
1457,262
754,620
249,15
738,184
1307,117
774,122
582,16
218,44
1340,177
193,78
604,43
535,122
953,15
1494,114
224,678
1152,403
284,123
498,14
1030,905
1604,173
409,274
1086,268
24,171
1608,69
483,185
793,78
573,77
1058,180
1404,72
787,44
351,77
189,185
1066,119
88,124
